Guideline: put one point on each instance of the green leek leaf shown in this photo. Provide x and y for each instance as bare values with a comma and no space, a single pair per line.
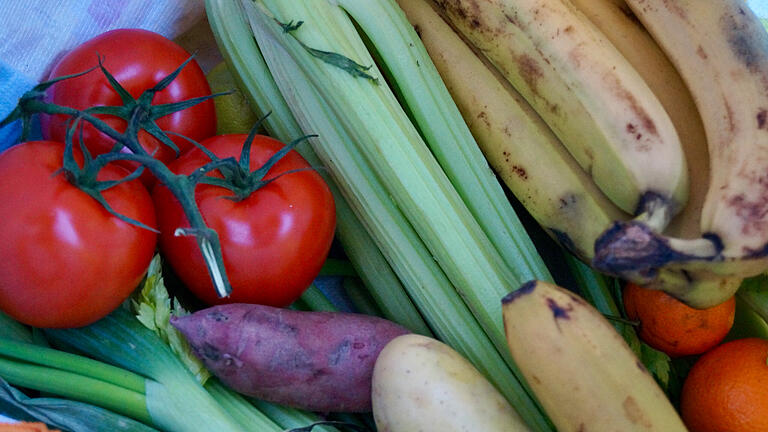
64,414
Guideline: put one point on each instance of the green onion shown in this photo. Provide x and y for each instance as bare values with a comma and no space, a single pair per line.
64,414
78,387
72,363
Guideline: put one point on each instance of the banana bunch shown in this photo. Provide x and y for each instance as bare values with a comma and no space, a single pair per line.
579,367
634,131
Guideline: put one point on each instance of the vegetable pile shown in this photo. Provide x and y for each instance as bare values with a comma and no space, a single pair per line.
489,185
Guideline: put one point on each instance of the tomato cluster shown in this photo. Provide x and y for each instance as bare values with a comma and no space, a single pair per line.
68,259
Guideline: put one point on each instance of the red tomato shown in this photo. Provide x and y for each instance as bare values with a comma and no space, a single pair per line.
65,261
138,59
273,242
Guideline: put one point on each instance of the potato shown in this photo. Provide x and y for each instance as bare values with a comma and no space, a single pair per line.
318,361
421,384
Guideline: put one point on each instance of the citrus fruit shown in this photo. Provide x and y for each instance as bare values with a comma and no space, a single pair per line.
233,112
673,327
726,390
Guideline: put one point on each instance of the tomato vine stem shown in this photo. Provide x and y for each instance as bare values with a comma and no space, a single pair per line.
139,114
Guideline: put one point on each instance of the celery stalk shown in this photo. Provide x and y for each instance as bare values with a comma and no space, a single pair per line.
440,122
359,296
398,155
289,418
314,299
428,285
236,43
240,409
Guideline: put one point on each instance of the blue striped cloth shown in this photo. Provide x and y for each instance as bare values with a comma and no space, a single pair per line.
12,87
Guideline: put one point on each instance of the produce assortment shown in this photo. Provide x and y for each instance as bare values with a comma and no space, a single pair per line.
540,215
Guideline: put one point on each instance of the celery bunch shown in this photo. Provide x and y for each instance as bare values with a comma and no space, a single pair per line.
408,168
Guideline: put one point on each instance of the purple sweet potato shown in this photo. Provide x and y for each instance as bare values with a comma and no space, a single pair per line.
318,361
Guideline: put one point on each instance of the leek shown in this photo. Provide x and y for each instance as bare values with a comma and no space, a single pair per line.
236,43
174,399
64,414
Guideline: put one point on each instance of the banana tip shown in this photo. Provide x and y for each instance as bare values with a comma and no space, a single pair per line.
524,289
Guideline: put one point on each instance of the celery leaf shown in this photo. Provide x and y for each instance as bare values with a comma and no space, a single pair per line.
153,308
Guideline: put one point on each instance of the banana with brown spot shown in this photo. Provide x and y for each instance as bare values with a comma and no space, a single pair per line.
589,95
531,160
721,51
517,143
579,367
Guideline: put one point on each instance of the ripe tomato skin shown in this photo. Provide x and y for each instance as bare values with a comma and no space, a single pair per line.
138,59
273,243
65,261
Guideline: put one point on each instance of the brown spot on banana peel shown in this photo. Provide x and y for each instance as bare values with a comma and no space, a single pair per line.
520,172
701,53
646,123
530,72
483,116
559,312
625,9
747,43
762,119
468,11
635,414
752,212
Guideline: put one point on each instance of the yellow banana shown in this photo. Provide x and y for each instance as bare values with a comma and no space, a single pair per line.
587,92
579,367
518,145
617,22
530,159
721,51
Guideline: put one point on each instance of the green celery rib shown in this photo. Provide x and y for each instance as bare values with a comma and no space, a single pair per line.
72,363
440,122
382,131
359,296
245,413
289,418
77,387
235,41
315,300
428,285
403,162
337,267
